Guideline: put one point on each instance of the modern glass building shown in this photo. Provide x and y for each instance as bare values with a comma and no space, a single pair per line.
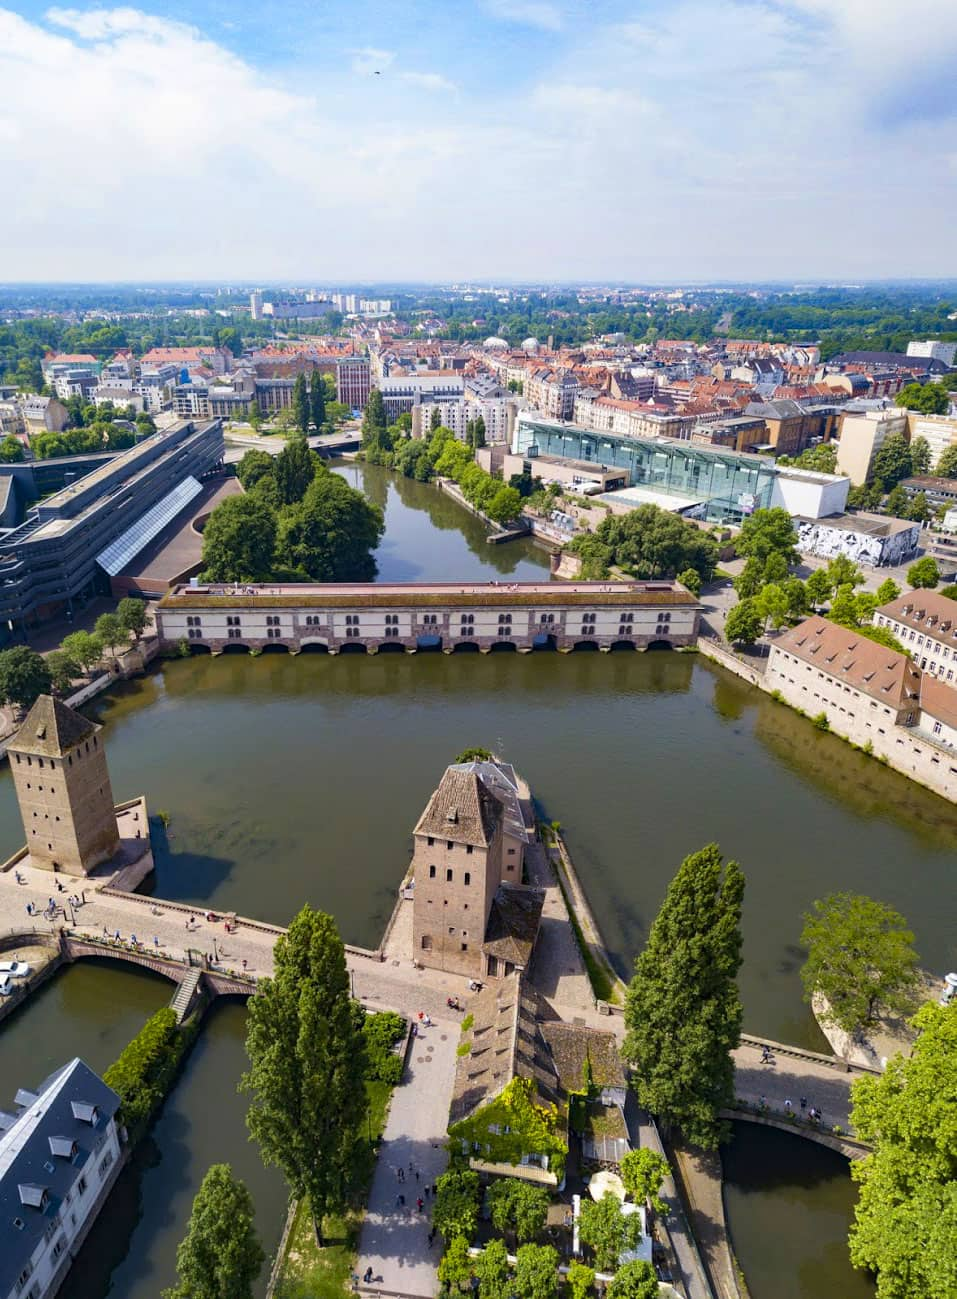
721,486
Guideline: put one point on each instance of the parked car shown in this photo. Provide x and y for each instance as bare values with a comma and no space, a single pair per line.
6,985
14,969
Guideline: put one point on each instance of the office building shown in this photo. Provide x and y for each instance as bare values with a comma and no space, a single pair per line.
352,381
864,427
933,349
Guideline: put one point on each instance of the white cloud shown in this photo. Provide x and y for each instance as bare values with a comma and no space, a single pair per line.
428,80
368,60
531,13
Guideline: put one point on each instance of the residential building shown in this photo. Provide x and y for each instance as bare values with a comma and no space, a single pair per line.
43,414
863,429
78,381
217,359
551,392
256,305
403,392
59,1157
939,431
792,426
925,623
875,697
939,491
296,310
934,349
63,789
874,540
353,381
471,913
497,414
63,552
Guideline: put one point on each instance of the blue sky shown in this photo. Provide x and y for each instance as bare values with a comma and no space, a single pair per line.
540,139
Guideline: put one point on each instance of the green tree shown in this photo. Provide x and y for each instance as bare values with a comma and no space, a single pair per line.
133,615
11,450
239,540
317,399
821,458
841,570
893,461
744,623
456,1209
905,1222
749,581
24,676
505,505
866,603
636,1280
84,647
946,466
797,597
253,466
331,534
918,510
692,580
818,587
843,608
643,1171
110,629
924,573
436,420
296,467
773,604
768,532
375,435
887,591
607,1231
920,455
928,398
536,1272
581,1280
255,415
63,670
220,1256
860,958
518,1207
456,1268
897,503
300,404
307,1065
652,543
492,1270
683,1011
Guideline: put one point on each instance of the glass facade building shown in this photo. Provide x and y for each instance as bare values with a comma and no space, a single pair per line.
728,484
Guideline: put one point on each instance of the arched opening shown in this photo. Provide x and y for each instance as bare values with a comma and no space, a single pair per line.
197,647
314,647
545,642
660,645
353,647
504,647
236,647
275,647
391,647
465,647
585,647
427,643
622,645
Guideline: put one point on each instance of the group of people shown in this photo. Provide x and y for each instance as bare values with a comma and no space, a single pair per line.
811,1112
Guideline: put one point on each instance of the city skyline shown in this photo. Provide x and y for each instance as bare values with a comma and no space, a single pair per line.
507,139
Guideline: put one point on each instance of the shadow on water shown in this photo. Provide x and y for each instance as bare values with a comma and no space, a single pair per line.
789,1205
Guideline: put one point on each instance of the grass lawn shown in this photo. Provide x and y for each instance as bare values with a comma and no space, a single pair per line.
309,1272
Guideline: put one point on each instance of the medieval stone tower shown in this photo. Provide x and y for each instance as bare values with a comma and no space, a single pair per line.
63,788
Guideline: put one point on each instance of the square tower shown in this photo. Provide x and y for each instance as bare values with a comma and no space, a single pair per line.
63,789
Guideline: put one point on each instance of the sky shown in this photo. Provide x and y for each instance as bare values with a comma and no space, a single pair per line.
449,140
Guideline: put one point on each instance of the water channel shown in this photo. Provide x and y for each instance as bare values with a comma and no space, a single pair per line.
299,779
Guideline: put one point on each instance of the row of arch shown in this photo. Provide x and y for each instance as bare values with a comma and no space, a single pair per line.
424,644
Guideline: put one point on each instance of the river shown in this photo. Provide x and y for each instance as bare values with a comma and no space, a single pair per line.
299,779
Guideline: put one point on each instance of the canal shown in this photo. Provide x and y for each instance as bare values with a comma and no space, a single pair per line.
273,770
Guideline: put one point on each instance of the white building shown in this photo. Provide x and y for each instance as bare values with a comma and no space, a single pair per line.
59,1156
925,623
498,414
810,494
934,349
405,391
256,306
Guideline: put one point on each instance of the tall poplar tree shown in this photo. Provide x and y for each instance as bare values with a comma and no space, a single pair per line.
375,434
221,1256
307,1066
683,1011
300,404
317,399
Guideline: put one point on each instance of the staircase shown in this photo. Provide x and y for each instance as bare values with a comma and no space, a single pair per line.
185,994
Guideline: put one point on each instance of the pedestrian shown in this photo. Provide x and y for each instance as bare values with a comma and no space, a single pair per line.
763,1102
416,1174
29,908
411,1166
50,903
426,1192
367,1275
244,965
116,935
132,940
431,1237
788,1106
421,1012
18,877
156,942
420,1204
400,1174
803,1104
402,1201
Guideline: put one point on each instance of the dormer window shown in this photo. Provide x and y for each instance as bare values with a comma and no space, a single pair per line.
63,1147
33,1196
85,1113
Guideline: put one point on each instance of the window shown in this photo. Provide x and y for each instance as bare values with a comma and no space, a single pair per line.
627,617
232,620
24,1277
273,633
391,619
468,877
469,849
352,632
81,1186
391,631
352,620
426,942
449,844
588,617
105,1162
429,619
233,633
431,840
191,622
468,619
431,872
504,618
547,619
504,631
58,1248
465,947
448,877
937,731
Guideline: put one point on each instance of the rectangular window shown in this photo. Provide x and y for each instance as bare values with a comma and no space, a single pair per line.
431,872
468,877
448,877
105,1163
81,1186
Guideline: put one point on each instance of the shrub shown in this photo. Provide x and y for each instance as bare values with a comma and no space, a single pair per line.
380,1033
821,722
146,1066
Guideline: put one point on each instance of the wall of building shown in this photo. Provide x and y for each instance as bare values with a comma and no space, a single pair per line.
66,805
875,551
812,495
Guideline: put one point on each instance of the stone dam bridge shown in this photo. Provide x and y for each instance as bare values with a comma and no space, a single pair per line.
205,961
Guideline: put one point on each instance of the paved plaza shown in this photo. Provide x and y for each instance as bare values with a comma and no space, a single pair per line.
395,1237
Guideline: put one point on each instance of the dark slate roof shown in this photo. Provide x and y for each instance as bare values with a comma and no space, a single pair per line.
52,729
28,1153
900,359
513,923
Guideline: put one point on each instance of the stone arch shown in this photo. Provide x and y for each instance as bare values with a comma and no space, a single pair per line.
621,645
659,643
197,647
275,647
545,641
390,647
314,647
465,647
236,647
503,647
428,644
353,647
585,646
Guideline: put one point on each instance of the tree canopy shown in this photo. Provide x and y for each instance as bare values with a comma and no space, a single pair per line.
905,1222
768,532
924,572
649,542
24,676
745,622
239,540
636,1280
893,461
220,1256
307,1065
536,1272
518,1207
607,1231
643,1171
928,398
331,533
456,1208
683,1011
860,958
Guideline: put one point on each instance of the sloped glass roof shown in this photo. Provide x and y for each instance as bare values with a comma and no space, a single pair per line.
129,543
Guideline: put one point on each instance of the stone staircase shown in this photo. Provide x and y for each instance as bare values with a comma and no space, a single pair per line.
185,994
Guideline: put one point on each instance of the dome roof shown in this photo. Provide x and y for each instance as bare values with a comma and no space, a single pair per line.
530,345
495,342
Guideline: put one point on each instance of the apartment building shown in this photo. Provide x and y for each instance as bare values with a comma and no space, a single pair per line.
863,429
404,392
59,1157
498,415
552,392
925,623
353,381
939,431
933,349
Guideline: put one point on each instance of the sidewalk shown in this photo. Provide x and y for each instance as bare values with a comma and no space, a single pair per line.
394,1239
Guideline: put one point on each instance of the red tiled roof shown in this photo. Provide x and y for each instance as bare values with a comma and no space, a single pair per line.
849,657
